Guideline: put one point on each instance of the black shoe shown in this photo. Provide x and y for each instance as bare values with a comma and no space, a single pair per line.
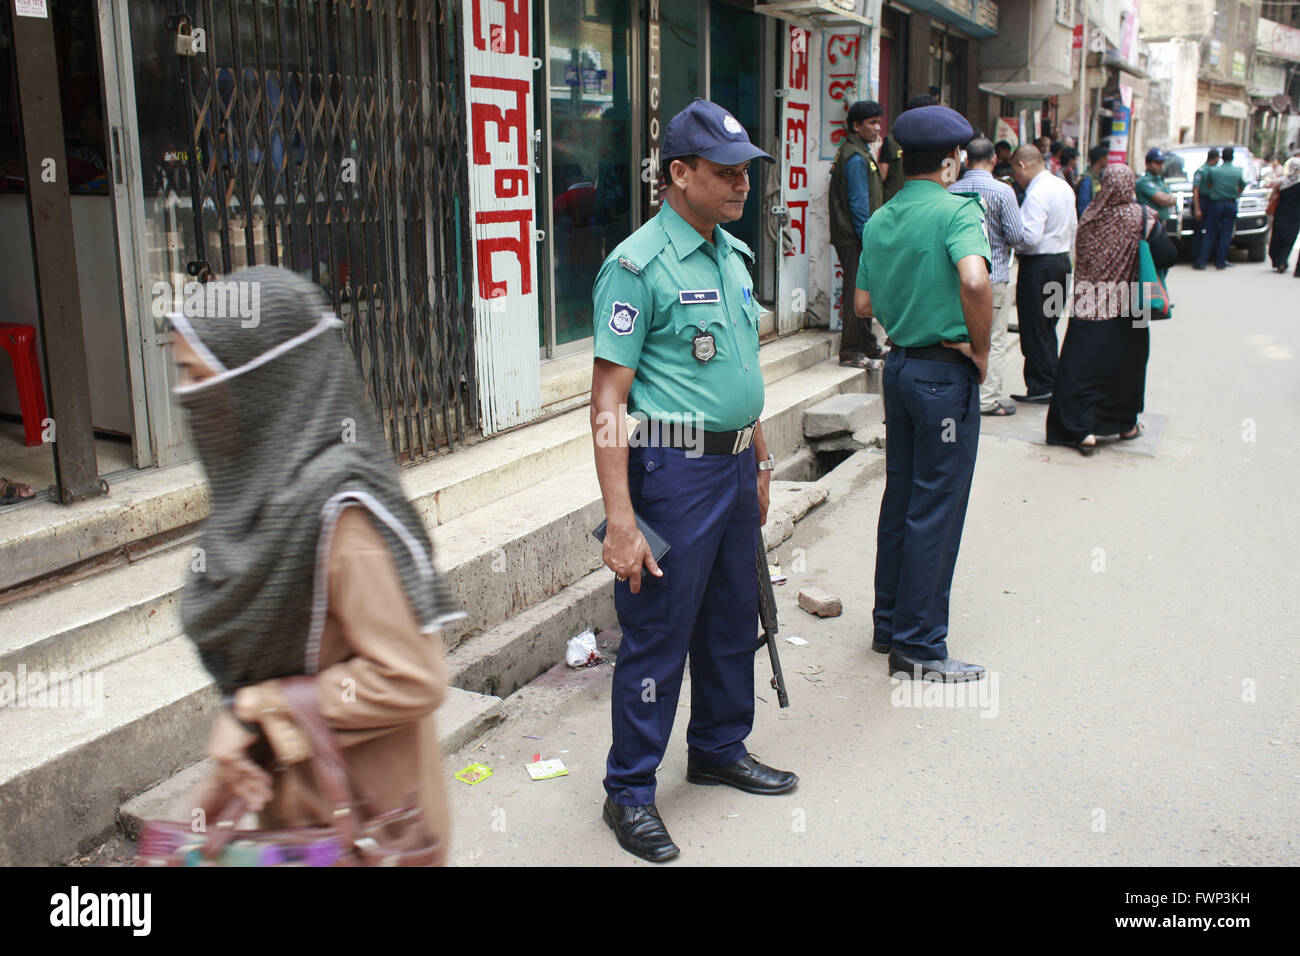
949,670
1226,265
1013,328
747,774
881,647
640,831
1198,267
1044,399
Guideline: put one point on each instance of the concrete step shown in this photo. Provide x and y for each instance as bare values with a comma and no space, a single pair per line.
504,658
462,717
446,488
65,770
506,557
41,539
566,382
92,622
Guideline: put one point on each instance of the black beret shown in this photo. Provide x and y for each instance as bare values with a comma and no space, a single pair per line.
932,127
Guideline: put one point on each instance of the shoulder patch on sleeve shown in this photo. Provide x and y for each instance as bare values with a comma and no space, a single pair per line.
622,318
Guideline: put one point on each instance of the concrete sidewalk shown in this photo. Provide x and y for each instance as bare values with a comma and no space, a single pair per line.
1137,616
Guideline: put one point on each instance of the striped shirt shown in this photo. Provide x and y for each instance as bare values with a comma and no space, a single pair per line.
1005,226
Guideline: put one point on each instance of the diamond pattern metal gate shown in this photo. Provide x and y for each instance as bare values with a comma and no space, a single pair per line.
328,137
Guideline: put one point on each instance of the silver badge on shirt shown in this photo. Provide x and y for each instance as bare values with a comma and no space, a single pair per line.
704,346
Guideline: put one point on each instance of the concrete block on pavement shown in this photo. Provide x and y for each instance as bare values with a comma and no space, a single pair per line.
840,414
820,602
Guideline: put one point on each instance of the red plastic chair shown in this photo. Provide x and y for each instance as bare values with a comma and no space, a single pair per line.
20,342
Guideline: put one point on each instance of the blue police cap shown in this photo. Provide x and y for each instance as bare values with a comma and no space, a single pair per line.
706,129
1154,155
932,127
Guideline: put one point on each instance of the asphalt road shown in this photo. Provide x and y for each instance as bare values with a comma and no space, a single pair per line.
1137,612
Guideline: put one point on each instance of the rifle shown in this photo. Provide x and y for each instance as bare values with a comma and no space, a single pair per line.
767,618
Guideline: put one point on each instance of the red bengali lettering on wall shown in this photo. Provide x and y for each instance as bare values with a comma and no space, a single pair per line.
507,35
500,89
839,87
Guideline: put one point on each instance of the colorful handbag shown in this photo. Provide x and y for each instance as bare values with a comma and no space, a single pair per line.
1152,294
357,837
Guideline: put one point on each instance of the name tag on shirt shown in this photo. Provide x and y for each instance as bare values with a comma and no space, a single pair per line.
697,296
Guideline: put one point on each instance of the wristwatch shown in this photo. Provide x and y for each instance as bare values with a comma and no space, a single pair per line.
768,463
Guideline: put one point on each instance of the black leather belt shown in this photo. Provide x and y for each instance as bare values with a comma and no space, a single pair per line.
937,353
656,434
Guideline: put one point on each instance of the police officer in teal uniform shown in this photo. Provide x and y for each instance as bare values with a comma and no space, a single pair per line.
676,344
1154,192
924,274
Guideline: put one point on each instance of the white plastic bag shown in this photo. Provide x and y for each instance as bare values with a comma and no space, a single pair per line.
581,650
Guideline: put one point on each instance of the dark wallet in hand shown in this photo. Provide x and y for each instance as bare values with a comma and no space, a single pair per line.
658,546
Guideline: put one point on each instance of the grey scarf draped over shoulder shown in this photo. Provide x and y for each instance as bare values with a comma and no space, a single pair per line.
287,439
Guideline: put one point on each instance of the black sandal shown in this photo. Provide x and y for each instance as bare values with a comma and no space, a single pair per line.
857,360
1137,433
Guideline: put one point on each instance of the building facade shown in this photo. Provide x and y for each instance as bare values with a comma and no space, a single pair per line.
451,172
1275,81
1224,32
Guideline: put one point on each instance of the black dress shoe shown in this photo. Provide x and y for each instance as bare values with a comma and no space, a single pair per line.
747,774
880,647
640,831
948,670
1043,399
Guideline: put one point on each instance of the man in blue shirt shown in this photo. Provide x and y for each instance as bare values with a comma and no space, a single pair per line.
856,191
1005,230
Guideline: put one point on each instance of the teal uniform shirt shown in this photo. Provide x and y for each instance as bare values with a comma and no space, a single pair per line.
910,250
1198,178
1223,183
681,312
1147,186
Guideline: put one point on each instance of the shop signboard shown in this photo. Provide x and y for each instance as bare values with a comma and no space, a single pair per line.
499,91
793,273
839,88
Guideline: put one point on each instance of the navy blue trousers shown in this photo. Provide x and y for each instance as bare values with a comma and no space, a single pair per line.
1220,218
932,428
706,604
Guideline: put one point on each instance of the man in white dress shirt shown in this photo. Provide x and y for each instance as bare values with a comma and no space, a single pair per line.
1049,227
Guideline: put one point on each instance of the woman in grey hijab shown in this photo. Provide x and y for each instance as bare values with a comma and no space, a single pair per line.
312,561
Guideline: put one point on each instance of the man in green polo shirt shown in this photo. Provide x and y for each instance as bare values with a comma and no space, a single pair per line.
924,274
676,341
1220,187
1198,214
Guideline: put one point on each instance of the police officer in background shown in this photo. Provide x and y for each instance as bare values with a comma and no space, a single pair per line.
1198,181
924,275
1153,191
676,341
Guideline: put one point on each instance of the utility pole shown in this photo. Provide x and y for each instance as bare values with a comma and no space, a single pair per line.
1083,86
